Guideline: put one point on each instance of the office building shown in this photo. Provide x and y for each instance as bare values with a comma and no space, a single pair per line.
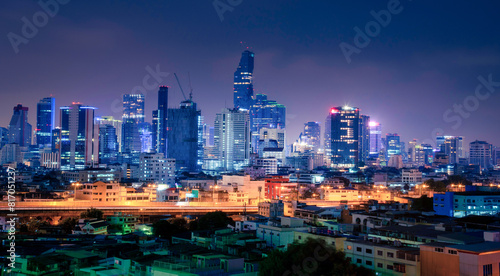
375,138
265,113
243,87
19,128
342,136
133,116
79,137
160,122
154,167
232,139
108,144
312,130
451,146
364,138
117,124
45,120
480,154
4,137
185,136
393,145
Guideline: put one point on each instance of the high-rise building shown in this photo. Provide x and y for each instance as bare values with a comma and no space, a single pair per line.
4,137
364,138
480,154
19,128
185,136
265,113
133,116
154,167
343,136
232,139
393,145
145,133
208,135
375,138
79,137
312,130
243,87
108,144
160,122
45,120
117,124
451,146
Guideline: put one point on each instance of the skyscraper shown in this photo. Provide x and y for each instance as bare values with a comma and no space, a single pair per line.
108,144
4,137
19,128
79,137
364,137
45,120
375,138
451,146
117,124
232,139
480,154
393,145
342,136
133,116
243,87
160,121
312,130
265,113
185,136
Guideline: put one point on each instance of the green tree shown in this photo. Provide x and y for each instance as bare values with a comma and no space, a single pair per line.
423,204
166,229
313,257
34,224
214,220
68,224
436,186
92,213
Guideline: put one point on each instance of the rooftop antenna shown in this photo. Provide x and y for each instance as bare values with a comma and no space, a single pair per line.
190,87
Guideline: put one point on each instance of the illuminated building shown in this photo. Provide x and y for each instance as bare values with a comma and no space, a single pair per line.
375,138
342,136
393,144
117,124
312,130
160,122
4,137
19,128
146,137
265,113
185,136
79,137
451,146
45,120
133,116
480,154
154,167
364,138
243,87
108,144
232,139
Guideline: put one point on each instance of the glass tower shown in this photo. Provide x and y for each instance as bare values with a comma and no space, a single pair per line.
243,87
45,120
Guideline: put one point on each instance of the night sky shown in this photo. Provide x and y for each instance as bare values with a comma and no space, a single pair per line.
425,60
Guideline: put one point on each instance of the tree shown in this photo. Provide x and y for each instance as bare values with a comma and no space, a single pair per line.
436,186
313,257
214,220
92,213
68,224
423,204
34,224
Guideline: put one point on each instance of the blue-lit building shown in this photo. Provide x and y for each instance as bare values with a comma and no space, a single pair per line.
146,135
45,120
243,87
364,138
312,130
265,113
19,128
133,116
4,137
375,138
393,145
79,137
480,154
160,122
342,134
452,147
108,144
461,204
185,136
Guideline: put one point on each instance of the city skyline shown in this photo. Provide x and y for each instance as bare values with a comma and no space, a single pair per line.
295,61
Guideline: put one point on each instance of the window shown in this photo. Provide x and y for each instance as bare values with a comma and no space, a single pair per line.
380,253
488,270
358,261
358,249
300,237
453,252
369,262
437,249
390,255
368,251
390,267
380,265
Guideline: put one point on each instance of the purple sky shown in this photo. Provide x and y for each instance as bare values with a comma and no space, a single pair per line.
427,59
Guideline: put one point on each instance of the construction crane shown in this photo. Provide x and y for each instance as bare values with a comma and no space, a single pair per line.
179,83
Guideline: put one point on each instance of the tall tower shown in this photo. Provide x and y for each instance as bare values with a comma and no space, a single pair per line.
133,116
364,137
19,128
79,137
312,130
480,154
343,133
265,113
243,87
160,122
232,139
45,120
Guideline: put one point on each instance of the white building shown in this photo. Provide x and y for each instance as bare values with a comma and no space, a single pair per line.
411,176
155,168
270,165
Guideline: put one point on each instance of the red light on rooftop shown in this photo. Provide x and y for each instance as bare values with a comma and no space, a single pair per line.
334,110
